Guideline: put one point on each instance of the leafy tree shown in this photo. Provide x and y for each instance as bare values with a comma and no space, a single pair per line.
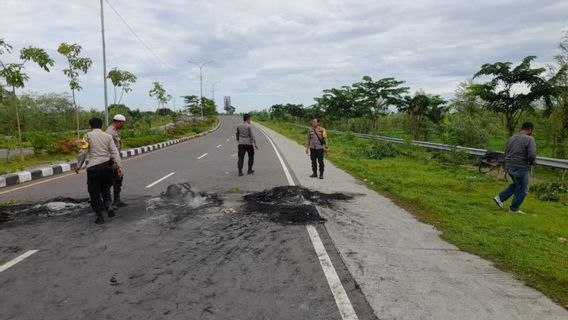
15,77
375,97
423,109
76,64
339,103
558,109
194,108
123,80
159,93
503,94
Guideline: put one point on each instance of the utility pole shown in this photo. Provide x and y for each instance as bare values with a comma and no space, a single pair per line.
213,84
200,81
104,62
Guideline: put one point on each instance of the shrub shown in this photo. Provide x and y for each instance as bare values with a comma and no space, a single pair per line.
40,141
468,132
379,150
549,191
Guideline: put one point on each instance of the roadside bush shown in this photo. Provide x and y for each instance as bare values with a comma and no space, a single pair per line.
549,191
379,150
40,141
454,157
468,132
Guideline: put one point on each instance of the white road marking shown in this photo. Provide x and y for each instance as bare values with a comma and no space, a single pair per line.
219,146
159,180
202,156
16,260
228,140
341,299
234,155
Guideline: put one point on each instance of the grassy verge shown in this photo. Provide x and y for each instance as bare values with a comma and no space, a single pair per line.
458,201
37,160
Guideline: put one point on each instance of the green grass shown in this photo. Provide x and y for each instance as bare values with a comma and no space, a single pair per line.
458,201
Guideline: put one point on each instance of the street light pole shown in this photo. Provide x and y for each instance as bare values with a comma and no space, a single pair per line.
104,61
201,81
213,84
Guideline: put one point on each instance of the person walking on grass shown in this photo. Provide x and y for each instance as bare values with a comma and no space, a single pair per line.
117,124
99,149
317,145
247,144
520,153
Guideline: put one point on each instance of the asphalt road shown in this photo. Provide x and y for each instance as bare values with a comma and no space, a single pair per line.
162,258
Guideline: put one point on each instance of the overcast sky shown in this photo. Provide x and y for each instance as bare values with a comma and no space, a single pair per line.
278,51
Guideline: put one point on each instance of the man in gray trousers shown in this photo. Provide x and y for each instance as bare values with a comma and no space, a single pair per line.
520,153
247,144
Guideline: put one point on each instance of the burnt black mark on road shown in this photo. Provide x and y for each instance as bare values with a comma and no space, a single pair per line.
291,204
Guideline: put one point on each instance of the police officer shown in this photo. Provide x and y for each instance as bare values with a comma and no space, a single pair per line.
117,124
316,145
99,149
247,144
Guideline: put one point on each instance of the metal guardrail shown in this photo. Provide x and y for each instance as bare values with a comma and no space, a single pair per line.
543,161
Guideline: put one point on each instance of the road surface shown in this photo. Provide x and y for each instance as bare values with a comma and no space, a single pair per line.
166,258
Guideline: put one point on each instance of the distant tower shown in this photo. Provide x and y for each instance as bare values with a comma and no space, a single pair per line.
227,104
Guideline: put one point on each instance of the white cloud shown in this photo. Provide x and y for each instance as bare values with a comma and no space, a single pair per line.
284,51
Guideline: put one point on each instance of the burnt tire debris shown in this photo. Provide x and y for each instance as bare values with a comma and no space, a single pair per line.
291,204
284,204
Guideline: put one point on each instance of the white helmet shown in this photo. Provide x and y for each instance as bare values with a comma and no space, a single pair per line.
119,117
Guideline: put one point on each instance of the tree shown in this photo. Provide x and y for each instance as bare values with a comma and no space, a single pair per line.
512,91
159,93
375,97
558,109
75,64
339,103
422,109
15,77
193,107
123,80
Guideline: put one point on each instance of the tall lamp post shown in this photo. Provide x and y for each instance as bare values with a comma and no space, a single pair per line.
104,61
213,84
201,81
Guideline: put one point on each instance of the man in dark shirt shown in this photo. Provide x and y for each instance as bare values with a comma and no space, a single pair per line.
520,153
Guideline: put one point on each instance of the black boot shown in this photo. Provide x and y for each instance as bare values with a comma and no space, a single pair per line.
109,209
250,171
100,219
240,173
117,202
321,175
314,175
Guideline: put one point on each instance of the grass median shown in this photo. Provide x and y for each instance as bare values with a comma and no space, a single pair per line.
129,140
458,201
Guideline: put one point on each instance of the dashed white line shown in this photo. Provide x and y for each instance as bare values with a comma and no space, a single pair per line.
219,146
234,155
228,140
202,156
341,299
159,180
16,260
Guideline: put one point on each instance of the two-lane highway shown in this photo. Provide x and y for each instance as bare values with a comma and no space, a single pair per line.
153,262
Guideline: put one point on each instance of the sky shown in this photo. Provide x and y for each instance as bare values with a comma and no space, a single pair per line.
280,51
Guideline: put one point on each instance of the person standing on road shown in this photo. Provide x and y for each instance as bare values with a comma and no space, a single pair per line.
117,124
520,153
99,149
317,145
247,144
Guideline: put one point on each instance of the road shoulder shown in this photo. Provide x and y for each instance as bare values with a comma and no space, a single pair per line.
404,269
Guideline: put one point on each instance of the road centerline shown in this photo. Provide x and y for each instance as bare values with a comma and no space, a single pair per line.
202,156
219,146
159,180
16,260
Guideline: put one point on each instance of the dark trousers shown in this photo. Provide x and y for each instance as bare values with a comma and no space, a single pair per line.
248,149
116,183
99,181
317,158
518,189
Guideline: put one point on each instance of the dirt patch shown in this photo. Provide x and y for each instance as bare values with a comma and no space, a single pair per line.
291,204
